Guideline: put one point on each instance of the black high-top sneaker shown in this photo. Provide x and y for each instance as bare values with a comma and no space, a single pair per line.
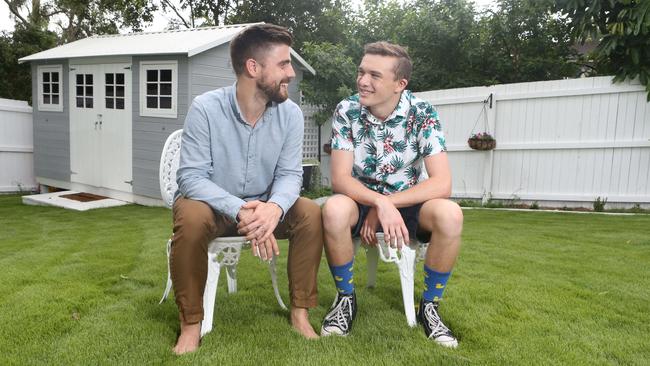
338,320
434,328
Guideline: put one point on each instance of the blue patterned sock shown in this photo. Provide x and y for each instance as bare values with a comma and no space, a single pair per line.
434,284
343,278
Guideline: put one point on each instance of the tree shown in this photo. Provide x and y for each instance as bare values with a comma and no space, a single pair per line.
71,19
201,12
524,41
622,28
308,20
333,81
76,19
441,37
443,41
15,79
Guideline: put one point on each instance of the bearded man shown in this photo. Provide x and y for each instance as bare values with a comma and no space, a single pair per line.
240,173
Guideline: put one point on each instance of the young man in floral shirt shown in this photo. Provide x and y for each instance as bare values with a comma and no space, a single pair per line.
380,139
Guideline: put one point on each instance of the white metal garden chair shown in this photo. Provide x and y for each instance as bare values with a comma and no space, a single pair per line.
222,252
405,260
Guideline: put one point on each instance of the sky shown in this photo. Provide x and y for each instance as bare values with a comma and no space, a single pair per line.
160,22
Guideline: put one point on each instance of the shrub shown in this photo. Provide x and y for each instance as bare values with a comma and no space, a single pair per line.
599,205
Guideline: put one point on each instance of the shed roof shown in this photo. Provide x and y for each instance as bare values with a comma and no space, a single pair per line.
187,42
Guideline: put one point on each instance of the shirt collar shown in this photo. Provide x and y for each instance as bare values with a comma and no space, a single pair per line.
402,109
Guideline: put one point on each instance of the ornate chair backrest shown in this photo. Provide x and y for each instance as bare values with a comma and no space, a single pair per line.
169,158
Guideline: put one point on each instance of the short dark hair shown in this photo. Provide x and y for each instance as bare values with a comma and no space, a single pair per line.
404,65
254,41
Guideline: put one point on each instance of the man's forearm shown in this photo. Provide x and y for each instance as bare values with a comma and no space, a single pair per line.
427,190
354,189
432,188
202,189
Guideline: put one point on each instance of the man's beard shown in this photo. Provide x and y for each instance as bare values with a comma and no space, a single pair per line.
273,92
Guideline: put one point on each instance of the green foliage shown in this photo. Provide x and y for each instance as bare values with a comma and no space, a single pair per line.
534,206
482,136
637,208
599,204
450,43
522,41
15,79
317,191
334,79
622,29
308,20
316,188
72,19
469,203
76,19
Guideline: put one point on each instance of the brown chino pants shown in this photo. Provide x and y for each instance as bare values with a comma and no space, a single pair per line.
196,225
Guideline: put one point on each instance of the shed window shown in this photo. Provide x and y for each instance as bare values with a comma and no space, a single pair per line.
158,88
114,84
84,91
50,86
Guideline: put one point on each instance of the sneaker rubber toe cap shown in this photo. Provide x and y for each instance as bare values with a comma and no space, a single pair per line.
447,341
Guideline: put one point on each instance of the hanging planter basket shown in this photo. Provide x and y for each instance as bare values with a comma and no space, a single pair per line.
485,142
482,140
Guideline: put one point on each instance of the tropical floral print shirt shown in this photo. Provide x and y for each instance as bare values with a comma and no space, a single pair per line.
388,154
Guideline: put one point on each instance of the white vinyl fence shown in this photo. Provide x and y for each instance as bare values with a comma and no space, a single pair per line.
561,141
16,147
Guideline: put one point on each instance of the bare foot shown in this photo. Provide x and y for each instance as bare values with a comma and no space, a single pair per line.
189,339
300,322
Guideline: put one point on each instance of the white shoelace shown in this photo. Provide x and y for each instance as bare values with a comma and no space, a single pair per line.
337,316
438,328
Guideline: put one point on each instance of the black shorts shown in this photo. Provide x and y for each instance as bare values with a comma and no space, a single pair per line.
410,215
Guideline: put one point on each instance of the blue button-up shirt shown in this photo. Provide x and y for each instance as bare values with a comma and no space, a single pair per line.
225,162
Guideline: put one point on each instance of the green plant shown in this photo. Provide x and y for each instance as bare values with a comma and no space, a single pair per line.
637,208
469,203
599,204
316,188
534,206
484,136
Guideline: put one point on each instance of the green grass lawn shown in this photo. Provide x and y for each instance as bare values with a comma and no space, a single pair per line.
529,288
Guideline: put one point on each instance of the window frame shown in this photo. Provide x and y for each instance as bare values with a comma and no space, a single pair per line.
50,107
84,96
115,98
158,112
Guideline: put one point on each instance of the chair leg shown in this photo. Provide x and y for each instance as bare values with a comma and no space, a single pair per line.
168,287
231,275
210,293
274,280
406,266
372,256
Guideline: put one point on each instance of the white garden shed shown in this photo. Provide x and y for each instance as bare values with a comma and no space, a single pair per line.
104,105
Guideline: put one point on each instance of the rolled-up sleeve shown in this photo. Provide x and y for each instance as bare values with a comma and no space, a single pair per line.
288,172
342,128
431,139
196,167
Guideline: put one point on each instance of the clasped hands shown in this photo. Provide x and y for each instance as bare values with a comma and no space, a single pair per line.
257,221
384,213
